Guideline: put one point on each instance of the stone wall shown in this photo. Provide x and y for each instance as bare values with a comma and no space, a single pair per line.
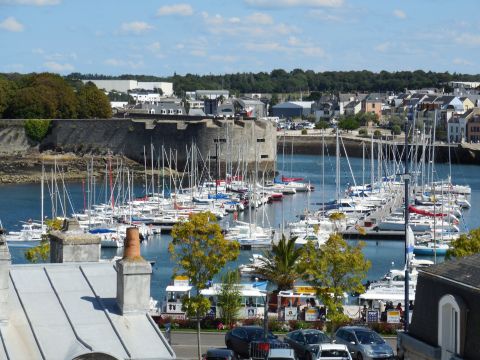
129,137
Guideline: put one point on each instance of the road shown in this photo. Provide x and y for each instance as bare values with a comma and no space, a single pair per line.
185,343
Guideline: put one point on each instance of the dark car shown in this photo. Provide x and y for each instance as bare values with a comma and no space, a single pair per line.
239,339
364,343
219,354
305,342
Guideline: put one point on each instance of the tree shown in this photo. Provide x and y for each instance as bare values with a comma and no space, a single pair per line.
279,265
348,123
7,90
229,298
466,244
41,252
396,130
200,251
322,124
93,103
335,268
336,217
37,129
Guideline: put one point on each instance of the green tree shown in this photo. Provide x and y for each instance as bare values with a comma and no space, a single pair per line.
466,244
336,217
335,268
7,90
279,264
33,103
93,103
322,124
348,123
41,252
200,251
37,129
229,298
396,130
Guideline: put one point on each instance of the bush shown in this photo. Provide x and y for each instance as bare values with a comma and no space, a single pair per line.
36,129
363,132
322,124
396,130
304,132
377,134
385,328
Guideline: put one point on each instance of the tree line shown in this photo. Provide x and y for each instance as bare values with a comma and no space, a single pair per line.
281,81
50,96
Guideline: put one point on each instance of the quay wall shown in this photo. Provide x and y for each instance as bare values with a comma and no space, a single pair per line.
312,144
235,140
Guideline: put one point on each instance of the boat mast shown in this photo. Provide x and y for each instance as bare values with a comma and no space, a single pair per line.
407,244
42,194
372,165
337,177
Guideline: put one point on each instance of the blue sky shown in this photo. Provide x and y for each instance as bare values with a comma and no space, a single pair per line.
222,36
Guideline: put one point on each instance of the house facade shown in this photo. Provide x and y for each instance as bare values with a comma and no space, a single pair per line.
446,317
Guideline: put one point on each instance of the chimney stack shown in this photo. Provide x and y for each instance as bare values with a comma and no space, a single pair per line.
71,244
133,277
5,261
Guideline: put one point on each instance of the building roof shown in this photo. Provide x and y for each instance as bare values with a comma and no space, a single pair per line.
464,270
295,104
60,311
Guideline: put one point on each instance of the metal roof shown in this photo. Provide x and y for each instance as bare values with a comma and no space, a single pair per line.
464,270
60,311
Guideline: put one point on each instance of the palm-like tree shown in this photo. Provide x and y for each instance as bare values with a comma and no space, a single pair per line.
280,265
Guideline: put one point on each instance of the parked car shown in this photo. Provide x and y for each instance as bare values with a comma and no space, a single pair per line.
219,354
306,342
333,352
281,354
364,343
239,339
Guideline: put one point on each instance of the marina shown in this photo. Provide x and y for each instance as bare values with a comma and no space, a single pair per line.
385,249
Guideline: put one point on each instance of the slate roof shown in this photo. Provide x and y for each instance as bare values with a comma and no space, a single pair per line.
465,270
60,311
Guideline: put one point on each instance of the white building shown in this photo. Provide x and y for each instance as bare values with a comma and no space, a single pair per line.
128,85
146,97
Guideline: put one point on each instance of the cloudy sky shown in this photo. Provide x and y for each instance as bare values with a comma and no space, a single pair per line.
221,36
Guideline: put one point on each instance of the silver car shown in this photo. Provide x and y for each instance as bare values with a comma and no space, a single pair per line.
363,343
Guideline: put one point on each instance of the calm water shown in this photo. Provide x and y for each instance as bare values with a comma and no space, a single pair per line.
22,202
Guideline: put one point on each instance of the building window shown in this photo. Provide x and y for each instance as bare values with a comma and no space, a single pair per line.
449,325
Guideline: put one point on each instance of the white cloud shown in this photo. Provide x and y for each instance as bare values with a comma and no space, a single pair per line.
293,41
323,15
216,19
223,58
198,52
11,24
38,51
383,47
313,51
136,27
260,18
175,9
123,63
399,14
154,47
294,3
264,47
31,2
57,67
468,39
460,61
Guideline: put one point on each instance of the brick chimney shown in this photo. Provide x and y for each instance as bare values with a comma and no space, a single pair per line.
133,277
5,262
72,244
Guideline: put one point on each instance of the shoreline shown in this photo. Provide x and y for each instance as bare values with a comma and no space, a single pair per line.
25,167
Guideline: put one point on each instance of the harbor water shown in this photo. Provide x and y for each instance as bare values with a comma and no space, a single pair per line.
22,202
